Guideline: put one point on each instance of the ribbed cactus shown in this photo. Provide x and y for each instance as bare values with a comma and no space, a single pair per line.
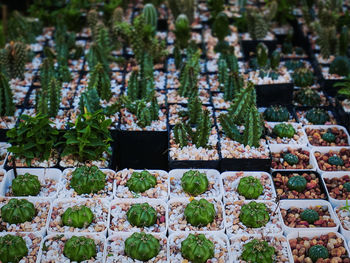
229,127
145,112
92,20
327,39
344,41
150,14
99,79
47,71
262,55
97,55
13,58
54,94
194,108
203,129
222,70
182,31
253,128
90,100
275,60
189,75
186,7
220,30
180,134
7,107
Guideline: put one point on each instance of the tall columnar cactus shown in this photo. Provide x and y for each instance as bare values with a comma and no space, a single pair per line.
258,21
215,7
194,108
80,248
18,211
327,39
26,185
47,72
275,60
253,128
229,127
343,41
7,107
102,39
12,248
142,246
150,14
258,251
181,135
86,180
92,20
189,75
99,79
197,248
200,212
54,95
194,182
262,55
203,129
182,31
13,58
77,216
220,30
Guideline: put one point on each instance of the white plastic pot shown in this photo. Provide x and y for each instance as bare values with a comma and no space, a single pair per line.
4,145
325,127
212,175
330,175
230,196
41,173
343,231
297,127
286,204
151,202
324,150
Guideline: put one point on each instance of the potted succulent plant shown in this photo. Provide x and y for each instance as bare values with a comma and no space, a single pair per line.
337,186
327,135
331,159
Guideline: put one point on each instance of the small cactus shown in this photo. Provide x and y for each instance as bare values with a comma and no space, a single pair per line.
142,215
197,248
276,114
221,30
309,215
189,75
86,180
182,31
142,246
80,248
18,211
77,216
99,79
13,58
194,182
12,248
200,212
340,66
317,116
308,97
7,107
291,159
254,214
335,160
140,182
250,187
283,130
150,14
26,185
303,77
318,251
297,183
258,251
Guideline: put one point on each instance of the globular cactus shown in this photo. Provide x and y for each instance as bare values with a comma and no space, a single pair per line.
182,31
346,187
329,137
149,12
290,158
276,114
283,130
303,77
142,215
318,251
197,248
309,215
254,214
250,187
189,75
258,251
18,211
200,212
7,107
13,58
308,97
99,79
186,7
86,180
12,248
77,216
340,66
80,248
220,30
297,183
194,182
26,185
317,116
140,182
335,160
89,100
142,246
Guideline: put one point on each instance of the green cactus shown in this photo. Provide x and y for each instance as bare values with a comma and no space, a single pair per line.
140,182
194,182
12,249
220,30
97,55
150,14
215,7
329,137
142,215
145,112
186,7
79,248
47,72
99,79
222,70
182,31
189,75
275,60
297,183
317,116
346,187
250,187
283,130
26,185
258,252
18,211
181,135
194,108
276,114
327,39
54,97
77,216
318,251
197,248
203,130
90,100
262,55
86,180
335,160
253,128
254,214
12,59
303,77
92,18
340,66
343,41
142,246
229,127
308,97
291,159
7,107
309,215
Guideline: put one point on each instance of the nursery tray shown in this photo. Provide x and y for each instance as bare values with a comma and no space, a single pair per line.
270,94
142,149
227,164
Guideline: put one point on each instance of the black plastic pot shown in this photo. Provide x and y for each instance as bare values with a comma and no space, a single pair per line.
142,149
271,94
189,164
249,46
227,164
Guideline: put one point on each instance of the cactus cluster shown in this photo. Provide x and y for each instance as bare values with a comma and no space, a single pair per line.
48,98
7,107
99,80
12,248
194,182
142,215
79,248
283,130
317,116
90,100
86,180
12,59
26,185
258,251
276,114
77,216
18,211
254,214
140,182
268,66
308,97
197,248
250,187
200,212
142,246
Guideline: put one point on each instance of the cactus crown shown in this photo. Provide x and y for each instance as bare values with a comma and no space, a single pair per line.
258,251
77,216
335,160
26,185
276,114
142,246
197,248
150,14
12,59
194,182
140,182
308,97
142,215
200,212
254,214
7,107
317,116
329,137
291,159
12,248
18,211
86,180
250,187
80,248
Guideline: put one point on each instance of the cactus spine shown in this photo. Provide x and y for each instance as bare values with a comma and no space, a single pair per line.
7,107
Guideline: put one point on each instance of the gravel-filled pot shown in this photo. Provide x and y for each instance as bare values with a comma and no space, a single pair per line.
331,159
281,253
327,135
219,240
297,137
232,180
334,183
